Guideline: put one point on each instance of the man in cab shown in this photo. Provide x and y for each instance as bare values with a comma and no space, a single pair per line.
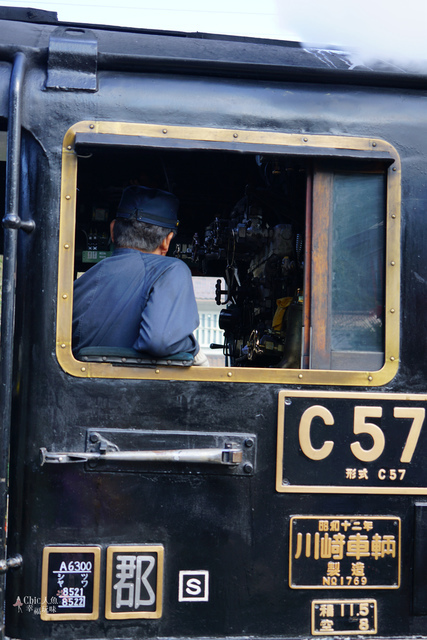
139,297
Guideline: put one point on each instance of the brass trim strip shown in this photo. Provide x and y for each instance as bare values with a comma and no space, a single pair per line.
318,395
223,374
129,615
96,582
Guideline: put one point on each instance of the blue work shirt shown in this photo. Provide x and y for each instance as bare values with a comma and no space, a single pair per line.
135,299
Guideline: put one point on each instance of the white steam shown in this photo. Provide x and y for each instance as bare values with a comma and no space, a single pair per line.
392,31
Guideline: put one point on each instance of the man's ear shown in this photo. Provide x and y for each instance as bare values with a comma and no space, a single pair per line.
113,222
164,245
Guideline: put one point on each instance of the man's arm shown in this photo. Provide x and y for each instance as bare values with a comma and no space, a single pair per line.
170,315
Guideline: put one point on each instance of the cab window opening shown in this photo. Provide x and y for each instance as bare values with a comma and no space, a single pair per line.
243,233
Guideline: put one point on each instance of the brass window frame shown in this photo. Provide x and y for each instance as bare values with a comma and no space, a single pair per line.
242,140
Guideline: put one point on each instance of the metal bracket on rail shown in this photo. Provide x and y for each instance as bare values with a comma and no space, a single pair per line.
11,563
12,221
73,60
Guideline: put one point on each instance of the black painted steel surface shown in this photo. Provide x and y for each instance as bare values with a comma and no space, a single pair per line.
235,527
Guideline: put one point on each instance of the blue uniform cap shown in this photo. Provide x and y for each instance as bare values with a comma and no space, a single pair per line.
149,205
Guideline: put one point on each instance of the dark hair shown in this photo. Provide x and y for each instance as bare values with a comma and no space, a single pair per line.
138,235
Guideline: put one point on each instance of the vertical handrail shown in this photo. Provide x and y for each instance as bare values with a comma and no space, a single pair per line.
11,223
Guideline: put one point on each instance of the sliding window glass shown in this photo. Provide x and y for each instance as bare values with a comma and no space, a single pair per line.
348,283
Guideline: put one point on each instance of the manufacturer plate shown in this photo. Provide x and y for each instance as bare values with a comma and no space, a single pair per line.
343,552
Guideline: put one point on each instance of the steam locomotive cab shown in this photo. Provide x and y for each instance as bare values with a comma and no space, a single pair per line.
280,492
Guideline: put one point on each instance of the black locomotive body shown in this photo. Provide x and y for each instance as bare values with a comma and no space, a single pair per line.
281,493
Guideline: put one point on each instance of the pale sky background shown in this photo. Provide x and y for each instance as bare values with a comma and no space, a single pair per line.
389,29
